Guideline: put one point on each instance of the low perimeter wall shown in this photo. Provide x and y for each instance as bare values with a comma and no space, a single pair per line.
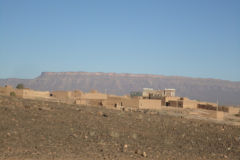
150,104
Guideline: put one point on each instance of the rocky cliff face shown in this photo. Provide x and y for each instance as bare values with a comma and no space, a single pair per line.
227,92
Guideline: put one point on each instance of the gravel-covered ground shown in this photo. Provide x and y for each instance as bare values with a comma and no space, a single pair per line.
54,131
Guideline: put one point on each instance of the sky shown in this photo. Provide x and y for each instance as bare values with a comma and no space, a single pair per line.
193,38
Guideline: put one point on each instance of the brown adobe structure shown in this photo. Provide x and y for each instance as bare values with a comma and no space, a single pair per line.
150,99
25,93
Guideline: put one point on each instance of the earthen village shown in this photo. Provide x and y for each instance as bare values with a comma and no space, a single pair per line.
150,124
147,99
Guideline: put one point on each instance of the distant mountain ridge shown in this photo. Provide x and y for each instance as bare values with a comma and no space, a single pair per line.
227,92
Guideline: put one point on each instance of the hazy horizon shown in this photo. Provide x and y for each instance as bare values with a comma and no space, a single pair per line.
119,73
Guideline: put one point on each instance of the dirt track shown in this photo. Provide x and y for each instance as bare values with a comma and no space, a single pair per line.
46,130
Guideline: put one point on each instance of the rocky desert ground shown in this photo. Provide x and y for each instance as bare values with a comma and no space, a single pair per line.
40,130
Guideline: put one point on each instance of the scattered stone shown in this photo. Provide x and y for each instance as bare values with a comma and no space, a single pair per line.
237,139
75,135
114,134
96,135
105,115
144,154
92,133
102,114
140,116
183,135
134,136
124,148
27,106
138,151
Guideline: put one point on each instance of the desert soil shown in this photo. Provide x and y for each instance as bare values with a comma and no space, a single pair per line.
33,129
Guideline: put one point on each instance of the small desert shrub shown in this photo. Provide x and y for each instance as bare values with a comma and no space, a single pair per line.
20,86
12,94
135,94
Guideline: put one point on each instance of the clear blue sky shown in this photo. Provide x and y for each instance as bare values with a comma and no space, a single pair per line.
196,38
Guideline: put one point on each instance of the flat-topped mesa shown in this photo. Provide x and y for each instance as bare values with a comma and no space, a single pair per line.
113,74
44,74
